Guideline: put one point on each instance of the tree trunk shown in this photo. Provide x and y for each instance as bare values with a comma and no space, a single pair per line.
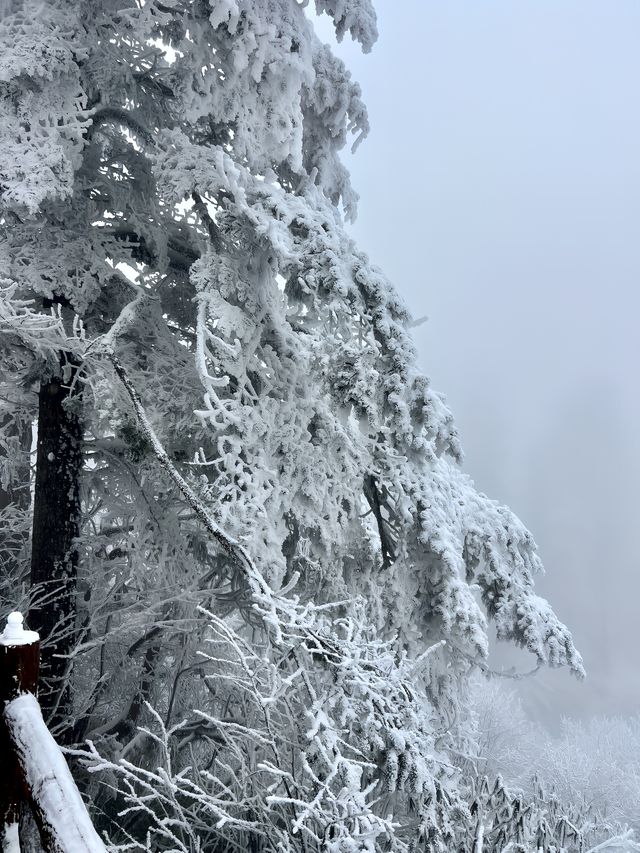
54,557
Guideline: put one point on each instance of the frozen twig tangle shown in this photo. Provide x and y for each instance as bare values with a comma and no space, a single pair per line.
276,575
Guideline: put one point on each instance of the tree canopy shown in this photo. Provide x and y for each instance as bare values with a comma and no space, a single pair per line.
269,542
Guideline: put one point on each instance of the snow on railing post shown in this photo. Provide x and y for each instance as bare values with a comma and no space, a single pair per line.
19,664
33,769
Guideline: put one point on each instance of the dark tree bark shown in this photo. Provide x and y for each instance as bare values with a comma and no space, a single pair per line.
375,501
56,523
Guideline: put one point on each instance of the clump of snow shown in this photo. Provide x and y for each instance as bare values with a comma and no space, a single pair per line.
9,840
15,634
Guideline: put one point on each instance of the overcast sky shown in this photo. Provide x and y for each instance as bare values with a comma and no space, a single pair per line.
500,192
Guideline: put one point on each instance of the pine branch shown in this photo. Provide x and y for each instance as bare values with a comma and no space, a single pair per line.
260,590
117,115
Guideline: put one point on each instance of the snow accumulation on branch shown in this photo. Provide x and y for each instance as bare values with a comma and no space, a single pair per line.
58,805
260,590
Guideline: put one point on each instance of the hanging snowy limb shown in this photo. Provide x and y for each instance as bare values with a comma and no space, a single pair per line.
495,673
262,594
38,332
266,601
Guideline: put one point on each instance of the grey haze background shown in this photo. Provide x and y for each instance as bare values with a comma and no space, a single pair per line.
500,192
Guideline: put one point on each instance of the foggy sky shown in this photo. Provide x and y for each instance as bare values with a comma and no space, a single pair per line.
500,192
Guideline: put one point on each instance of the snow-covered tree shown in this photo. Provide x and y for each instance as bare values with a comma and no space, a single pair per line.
230,415
576,789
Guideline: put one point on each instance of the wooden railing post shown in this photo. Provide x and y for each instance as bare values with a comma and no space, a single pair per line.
19,665
33,770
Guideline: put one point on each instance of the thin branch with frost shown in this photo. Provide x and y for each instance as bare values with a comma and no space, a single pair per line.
261,592
41,333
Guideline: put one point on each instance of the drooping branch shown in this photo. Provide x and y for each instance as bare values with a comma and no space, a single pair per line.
125,118
263,596
212,227
260,590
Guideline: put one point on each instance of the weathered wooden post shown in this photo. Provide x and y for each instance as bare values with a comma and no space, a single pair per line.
19,665
33,770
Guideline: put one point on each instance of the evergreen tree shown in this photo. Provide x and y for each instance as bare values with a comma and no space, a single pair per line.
230,417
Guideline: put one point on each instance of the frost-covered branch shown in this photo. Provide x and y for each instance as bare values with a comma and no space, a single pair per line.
260,590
